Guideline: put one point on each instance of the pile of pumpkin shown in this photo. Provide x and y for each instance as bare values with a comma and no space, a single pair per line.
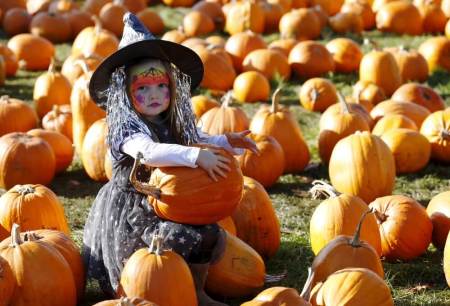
413,125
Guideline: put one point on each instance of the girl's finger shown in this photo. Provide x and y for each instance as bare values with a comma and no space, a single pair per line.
223,159
212,175
224,166
245,133
219,172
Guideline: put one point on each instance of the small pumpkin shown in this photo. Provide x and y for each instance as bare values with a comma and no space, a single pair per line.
213,9
62,6
22,44
433,17
79,20
94,150
395,17
151,19
283,45
362,8
317,94
176,36
436,128
413,111
10,60
412,65
73,66
345,22
244,87
242,16
391,122
218,73
438,210
446,260
275,296
25,159
338,108
54,27
420,94
368,93
241,44
197,23
16,116
273,64
111,15
436,50
300,24
59,119
16,21
405,228
95,40
346,54
201,104
310,59
94,6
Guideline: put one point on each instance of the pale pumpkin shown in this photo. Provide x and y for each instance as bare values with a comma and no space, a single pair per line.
25,159
201,104
405,228
280,123
436,128
341,213
238,259
317,94
270,153
411,149
438,210
16,116
20,203
362,165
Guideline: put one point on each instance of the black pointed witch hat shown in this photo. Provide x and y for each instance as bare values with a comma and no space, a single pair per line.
137,42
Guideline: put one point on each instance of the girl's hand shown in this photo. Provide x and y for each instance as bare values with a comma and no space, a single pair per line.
238,140
214,163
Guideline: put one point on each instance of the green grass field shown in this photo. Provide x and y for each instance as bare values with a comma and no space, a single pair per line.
418,282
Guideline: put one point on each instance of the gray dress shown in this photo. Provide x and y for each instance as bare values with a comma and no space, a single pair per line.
121,221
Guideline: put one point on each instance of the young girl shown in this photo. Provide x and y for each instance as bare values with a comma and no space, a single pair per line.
145,88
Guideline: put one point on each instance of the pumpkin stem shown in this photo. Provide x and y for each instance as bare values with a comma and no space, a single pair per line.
380,216
275,100
142,187
15,235
372,43
227,98
356,242
445,134
156,243
306,292
25,189
83,65
52,67
322,188
124,301
345,108
5,99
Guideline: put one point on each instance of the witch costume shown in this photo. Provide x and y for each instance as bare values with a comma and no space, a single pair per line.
121,220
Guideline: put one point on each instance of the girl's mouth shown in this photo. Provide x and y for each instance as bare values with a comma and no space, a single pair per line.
154,104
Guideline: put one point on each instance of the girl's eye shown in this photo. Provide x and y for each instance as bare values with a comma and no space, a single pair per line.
162,85
141,88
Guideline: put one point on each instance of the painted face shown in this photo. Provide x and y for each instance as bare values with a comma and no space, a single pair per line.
149,87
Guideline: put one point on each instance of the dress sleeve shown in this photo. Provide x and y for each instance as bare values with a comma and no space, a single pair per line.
219,140
160,154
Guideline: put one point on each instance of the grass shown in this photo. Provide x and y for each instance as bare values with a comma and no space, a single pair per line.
418,282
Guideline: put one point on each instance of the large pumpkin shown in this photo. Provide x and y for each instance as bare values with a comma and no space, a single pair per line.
16,116
405,228
338,108
300,24
310,59
189,195
242,16
16,21
241,44
411,149
281,124
436,128
346,251
419,94
224,119
218,72
396,17
413,111
256,221
362,165
158,275
317,94
412,65
94,151
367,93
25,159
273,64
54,27
51,88
337,127
391,122
341,213
276,296
240,271
352,286
438,210
244,87
436,51
22,44
59,119
95,40
20,204
46,263
346,54
266,166
7,282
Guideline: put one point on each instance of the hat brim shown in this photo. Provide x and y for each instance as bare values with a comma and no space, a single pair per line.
184,58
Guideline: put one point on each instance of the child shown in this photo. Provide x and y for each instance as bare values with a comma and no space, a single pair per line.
145,88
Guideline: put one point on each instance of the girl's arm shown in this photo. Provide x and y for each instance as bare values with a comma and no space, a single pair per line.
234,143
160,154
219,140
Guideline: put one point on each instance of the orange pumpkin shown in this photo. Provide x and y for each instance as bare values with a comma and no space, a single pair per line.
79,20
338,108
392,122
310,59
197,23
362,165
363,9
59,119
380,68
218,73
16,21
22,44
47,264
419,94
9,4
37,6
201,104
281,124
300,24
242,16
94,6
396,17
438,210
95,40
10,60
228,225
16,116
273,64
244,87
111,15
447,29
404,226
51,88
411,149
238,259
436,128
272,15
275,296
54,27
256,221
241,44
224,119
176,36
329,6
283,45
345,22
62,6
346,54
7,281
446,260
352,286
433,17
317,94
412,65
25,159
73,67
413,111
61,145
126,302
367,93
151,20
336,209
346,251
270,153
436,50
94,151
340,126
213,9
178,3
150,272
